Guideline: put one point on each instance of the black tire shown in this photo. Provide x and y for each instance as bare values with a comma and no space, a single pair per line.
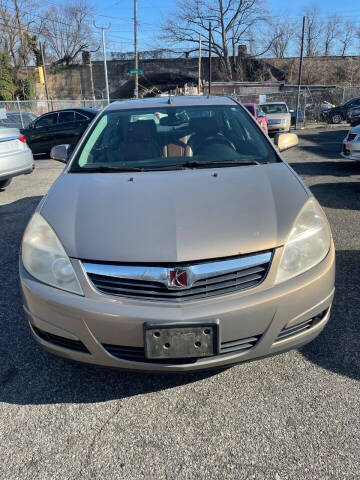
5,183
336,118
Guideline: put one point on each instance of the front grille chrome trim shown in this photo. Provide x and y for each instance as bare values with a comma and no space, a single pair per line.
195,272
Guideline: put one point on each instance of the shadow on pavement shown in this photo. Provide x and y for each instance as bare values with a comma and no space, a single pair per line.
337,348
345,195
340,168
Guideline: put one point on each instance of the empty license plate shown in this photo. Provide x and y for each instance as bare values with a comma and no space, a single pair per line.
189,340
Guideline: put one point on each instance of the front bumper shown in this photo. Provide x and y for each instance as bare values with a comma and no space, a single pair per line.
279,127
262,312
351,150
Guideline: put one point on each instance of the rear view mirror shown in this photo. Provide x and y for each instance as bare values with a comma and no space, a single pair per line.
61,153
285,141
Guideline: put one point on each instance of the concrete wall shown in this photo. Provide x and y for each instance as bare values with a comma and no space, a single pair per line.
74,82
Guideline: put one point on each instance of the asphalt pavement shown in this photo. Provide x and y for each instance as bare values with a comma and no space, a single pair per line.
293,416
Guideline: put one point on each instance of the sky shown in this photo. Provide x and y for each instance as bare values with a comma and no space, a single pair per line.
152,13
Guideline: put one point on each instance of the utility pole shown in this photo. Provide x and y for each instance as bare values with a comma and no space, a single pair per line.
45,76
136,89
300,72
104,54
210,47
199,73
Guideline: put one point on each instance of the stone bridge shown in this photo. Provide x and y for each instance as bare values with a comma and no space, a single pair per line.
74,82
158,75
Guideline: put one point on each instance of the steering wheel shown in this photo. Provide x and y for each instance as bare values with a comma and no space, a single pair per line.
216,139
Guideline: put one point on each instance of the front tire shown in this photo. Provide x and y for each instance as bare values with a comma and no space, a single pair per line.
5,183
336,118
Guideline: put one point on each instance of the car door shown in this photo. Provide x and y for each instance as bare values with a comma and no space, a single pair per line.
81,123
66,130
40,135
352,104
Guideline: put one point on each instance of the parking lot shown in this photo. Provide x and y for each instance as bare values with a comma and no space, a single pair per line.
292,416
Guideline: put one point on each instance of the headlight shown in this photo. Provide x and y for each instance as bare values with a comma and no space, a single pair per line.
308,243
44,257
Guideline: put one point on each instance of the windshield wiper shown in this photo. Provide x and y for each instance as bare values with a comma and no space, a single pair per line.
104,169
196,163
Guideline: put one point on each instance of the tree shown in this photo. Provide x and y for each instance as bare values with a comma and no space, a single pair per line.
331,32
282,33
347,37
313,30
6,78
67,31
232,24
17,17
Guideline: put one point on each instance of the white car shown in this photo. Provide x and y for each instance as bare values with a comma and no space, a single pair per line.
15,156
351,144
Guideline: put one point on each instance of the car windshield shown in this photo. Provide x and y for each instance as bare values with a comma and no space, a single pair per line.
274,108
172,137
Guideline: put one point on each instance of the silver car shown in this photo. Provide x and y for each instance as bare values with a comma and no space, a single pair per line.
15,156
184,245
351,144
278,115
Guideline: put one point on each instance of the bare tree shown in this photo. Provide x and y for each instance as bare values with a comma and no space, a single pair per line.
67,31
17,17
331,32
232,23
347,37
282,33
313,29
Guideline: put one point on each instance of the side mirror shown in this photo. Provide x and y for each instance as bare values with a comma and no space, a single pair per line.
285,141
61,153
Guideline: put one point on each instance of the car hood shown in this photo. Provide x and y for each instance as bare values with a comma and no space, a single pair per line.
174,216
278,116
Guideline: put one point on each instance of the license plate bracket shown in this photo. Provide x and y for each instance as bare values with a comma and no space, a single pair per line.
181,340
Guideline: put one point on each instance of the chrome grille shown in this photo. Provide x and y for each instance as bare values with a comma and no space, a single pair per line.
206,279
137,354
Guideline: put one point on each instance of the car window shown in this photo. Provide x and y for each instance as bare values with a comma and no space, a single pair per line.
250,108
46,120
66,117
14,117
187,134
80,118
274,108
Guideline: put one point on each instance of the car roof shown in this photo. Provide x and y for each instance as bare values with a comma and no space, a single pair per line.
93,111
273,103
176,101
